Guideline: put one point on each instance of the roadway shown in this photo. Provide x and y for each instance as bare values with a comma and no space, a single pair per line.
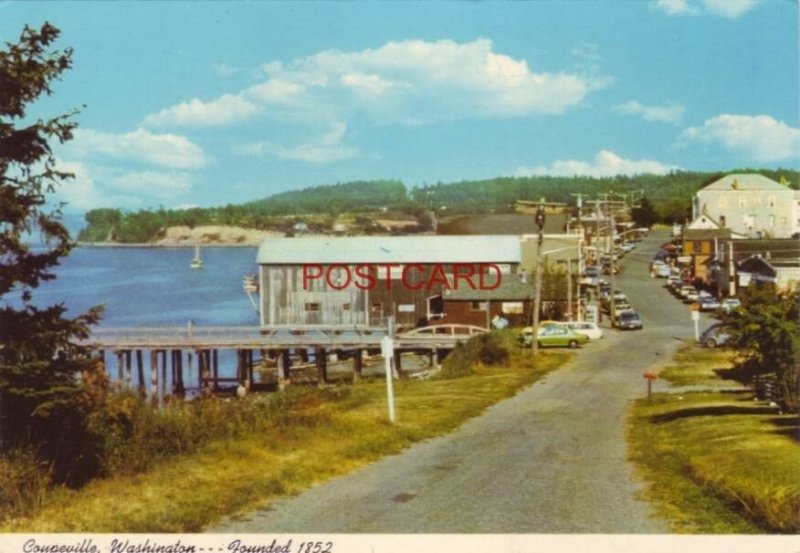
552,459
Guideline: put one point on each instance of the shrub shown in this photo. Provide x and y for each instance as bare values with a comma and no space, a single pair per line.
488,349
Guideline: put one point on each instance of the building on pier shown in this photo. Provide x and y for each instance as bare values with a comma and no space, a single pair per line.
360,281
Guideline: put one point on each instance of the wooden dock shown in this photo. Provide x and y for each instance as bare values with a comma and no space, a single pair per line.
168,347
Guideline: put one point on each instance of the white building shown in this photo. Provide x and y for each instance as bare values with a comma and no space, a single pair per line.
750,205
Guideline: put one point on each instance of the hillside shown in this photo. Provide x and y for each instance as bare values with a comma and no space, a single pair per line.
355,207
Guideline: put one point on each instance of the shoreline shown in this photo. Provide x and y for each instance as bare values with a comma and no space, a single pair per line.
160,245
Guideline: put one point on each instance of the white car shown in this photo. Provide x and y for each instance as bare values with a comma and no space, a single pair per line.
590,330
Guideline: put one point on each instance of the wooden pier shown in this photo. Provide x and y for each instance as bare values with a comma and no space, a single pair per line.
169,347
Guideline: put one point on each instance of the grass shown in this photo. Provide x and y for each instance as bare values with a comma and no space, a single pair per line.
698,366
328,433
716,462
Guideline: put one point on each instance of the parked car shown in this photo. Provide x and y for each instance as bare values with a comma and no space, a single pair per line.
590,330
553,335
686,289
629,320
693,296
714,336
663,271
709,303
673,280
729,304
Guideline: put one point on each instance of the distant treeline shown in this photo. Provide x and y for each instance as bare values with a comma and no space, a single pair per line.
669,194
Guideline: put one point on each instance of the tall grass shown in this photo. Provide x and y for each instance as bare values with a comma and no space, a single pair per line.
179,468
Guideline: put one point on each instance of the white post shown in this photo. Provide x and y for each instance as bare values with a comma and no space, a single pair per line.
387,348
696,320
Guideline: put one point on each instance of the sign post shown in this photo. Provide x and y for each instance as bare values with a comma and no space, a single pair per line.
696,320
387,349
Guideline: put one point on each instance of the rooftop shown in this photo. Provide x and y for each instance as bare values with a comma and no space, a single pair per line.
511,288
745,181
390,249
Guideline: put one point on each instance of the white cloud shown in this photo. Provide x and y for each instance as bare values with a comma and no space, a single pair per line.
724,8
142,146
406,82
85,191
327,148
605,164
675,7
224,70
729,8
759,137
153,183
224,110
671,113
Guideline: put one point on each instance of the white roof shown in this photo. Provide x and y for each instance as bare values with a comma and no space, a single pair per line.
745,181
390,249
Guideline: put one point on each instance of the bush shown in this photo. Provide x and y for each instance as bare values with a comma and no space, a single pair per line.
487,349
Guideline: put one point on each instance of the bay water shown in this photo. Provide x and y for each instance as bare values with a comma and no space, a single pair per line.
151,287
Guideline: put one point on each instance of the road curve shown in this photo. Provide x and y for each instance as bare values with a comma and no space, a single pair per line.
552,459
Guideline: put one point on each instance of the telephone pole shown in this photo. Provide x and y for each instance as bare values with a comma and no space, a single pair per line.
539,218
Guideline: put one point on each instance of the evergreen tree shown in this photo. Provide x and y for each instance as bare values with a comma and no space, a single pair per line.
41,396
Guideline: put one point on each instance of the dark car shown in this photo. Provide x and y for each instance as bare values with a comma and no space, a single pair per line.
714,336
629,320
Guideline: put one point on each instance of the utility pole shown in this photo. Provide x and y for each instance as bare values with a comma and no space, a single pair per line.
539,218
569,289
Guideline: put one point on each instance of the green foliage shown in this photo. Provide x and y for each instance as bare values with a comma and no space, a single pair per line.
41,399
644,215
488,349
765,333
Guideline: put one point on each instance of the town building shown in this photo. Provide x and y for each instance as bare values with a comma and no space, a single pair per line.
512,300
737,263
700,246
750,205
359,281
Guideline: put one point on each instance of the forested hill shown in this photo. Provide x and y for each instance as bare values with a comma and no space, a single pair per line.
670,193
320,206
334,199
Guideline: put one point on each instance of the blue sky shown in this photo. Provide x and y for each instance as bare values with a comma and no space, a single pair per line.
214,103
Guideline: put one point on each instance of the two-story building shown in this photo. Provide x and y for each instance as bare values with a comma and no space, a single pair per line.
748,204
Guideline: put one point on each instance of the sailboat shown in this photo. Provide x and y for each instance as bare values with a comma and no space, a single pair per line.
196,263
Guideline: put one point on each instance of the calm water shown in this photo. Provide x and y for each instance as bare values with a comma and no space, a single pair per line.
143,287
155,286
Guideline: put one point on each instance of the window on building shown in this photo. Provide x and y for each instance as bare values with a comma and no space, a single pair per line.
772,220
742,202
771,202
346,307
312,306
478,306
723,202
512,307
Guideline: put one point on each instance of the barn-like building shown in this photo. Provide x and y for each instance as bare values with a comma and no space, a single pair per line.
356,282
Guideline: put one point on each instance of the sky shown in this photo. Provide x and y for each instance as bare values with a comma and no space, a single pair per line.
204,103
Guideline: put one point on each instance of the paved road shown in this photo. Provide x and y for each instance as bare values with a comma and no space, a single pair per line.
550,460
